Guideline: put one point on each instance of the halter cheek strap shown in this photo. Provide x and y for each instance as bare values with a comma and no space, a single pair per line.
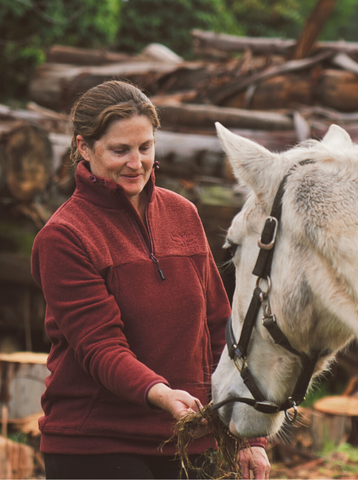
238,350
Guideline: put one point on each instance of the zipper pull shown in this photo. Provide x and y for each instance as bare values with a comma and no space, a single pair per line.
156,261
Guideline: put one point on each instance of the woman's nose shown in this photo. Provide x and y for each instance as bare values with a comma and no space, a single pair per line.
134,161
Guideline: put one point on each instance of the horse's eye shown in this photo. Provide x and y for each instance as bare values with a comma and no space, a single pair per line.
232,248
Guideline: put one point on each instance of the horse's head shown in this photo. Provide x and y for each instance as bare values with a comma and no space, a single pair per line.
314,280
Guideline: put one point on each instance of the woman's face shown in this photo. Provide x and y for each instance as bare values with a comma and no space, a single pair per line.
125,154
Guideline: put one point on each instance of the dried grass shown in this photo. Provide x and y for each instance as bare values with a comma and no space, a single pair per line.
224,459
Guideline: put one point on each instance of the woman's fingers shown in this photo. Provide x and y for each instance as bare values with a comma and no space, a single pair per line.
254,459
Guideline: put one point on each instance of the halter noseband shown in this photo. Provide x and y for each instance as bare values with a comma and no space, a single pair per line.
238,350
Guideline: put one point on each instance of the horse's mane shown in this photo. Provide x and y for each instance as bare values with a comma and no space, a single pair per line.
318,151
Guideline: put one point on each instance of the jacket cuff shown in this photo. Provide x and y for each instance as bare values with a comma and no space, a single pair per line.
257,442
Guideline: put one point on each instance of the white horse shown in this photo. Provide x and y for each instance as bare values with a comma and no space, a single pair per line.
314,275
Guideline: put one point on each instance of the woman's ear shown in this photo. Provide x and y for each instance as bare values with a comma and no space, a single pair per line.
82,147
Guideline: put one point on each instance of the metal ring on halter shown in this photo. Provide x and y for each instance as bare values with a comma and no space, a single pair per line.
294,415
263,294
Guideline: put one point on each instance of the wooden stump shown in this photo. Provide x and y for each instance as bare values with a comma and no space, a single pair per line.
16,459
22,383
332,420
29,167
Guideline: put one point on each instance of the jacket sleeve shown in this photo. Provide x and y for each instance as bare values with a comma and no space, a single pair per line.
87,314
218,309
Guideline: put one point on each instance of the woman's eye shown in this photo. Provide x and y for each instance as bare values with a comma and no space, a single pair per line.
145,147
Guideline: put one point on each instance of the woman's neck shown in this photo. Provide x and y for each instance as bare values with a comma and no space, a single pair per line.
139,202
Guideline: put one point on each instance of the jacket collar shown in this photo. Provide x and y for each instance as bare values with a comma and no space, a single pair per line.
104,192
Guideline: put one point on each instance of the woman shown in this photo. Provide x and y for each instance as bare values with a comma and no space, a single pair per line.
136,309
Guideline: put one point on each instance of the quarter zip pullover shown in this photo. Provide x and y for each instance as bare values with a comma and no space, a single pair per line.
116,326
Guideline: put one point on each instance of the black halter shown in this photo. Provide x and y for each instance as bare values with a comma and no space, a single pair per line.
238,350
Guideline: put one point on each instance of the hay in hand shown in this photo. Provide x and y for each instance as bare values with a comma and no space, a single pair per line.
224,458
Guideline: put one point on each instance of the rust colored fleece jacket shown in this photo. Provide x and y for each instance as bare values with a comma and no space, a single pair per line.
116,327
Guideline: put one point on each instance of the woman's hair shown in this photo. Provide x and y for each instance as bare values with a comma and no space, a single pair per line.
94,111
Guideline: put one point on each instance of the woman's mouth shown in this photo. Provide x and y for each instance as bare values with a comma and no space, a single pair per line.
132,177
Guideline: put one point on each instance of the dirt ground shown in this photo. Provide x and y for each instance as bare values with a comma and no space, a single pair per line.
335,466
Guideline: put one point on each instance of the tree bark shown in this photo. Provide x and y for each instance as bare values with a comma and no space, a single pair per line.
47,119
55,86
30,159
205,116
222,94
204,40
313,27
3,167
338,89
280,92
231,43
84,56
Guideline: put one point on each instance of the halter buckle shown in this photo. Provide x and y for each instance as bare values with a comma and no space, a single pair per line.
269,246
240,365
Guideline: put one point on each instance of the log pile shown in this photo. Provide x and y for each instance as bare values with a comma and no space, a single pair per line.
253,86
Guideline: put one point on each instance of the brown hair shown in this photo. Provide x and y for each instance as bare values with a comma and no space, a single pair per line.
95,110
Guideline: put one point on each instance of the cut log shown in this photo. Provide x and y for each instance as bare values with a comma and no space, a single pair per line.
326,428
283,91
204,116
22,382
183,155
56,85
16,459
222,94
3,167
203,40
344,61
49,120
312,28
186,155
338,405
29,161
231,43
338,89
161,53
84,56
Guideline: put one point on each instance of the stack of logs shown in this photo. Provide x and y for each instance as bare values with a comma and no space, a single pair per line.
250,85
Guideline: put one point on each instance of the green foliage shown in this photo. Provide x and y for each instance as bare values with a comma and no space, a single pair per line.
323,388
28,27
19,437
286,18
170,22
347,462
348,449
266,18
342,23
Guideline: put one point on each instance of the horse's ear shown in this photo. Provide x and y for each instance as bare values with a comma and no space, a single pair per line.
249,160
336,137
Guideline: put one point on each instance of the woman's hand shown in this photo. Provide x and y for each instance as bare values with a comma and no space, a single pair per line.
177,402
254,459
